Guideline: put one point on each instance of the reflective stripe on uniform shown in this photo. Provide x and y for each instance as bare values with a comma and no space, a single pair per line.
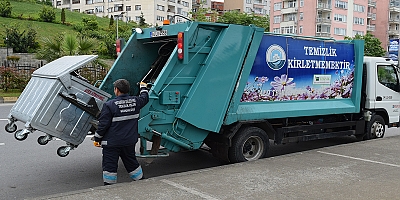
136,174
144,91
109,177
123,118
97,135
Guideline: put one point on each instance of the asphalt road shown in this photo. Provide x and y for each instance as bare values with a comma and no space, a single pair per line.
30,170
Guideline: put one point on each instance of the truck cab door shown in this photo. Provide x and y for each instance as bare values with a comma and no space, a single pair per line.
388,91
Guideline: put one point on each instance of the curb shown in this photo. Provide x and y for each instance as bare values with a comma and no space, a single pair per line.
8,99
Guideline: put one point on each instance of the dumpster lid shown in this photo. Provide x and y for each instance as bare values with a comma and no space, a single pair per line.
63,65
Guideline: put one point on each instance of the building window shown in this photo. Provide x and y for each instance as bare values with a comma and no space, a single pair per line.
160,18
301,30
359,8
358,20
340,18
160,7
291,4
186,4
77,2
248,1
99,9
137,18
277,6
340,31
277,30
277,19
301,3
248,10
358,33
341,4
288,30
128,8
301,16
290,17
179,11
138,7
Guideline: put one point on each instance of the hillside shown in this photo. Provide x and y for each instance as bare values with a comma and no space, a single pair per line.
21,11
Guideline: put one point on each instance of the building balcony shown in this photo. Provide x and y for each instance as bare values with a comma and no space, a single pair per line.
372,3
324,7
323,21
394,20
260,2
370,27
394,9
289,10
394,32
288,23
371,15
323,34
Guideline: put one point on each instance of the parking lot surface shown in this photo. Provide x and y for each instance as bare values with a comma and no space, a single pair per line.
361,170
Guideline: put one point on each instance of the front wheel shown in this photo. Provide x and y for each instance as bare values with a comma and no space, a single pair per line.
375,127
20,135
250,143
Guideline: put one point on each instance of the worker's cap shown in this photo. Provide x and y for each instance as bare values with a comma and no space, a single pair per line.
122,85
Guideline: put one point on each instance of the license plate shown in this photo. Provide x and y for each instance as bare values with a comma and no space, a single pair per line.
159,33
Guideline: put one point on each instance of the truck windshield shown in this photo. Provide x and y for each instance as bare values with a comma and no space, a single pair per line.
387,76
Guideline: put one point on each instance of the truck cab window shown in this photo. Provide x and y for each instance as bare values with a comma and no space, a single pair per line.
387,76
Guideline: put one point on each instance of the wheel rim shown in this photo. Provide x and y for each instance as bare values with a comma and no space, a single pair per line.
378,129
253,148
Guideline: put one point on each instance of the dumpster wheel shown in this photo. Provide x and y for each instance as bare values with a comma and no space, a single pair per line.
63,151
43,140
19,135
10,128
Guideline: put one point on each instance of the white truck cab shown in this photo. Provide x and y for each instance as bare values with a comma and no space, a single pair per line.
381,77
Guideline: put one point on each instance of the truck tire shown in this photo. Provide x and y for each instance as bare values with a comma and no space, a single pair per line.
250,143
375,127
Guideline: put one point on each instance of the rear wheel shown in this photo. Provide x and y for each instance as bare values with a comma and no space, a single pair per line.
375,127
250,143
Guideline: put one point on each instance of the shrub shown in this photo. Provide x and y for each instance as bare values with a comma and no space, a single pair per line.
47,14
5,8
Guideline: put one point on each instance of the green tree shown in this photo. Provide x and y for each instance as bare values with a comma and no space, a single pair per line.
5,8
22,41
372,45
111,22
142,21
203,14
236,17
47,14
63,16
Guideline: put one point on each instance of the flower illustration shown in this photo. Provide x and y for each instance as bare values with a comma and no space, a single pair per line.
282,82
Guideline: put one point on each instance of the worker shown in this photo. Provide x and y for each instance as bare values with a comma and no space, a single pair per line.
117,131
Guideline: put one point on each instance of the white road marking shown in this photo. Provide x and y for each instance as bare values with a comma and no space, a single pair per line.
361,159
190,190
2,144
3,119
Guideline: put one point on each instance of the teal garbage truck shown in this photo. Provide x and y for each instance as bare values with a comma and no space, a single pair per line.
234,88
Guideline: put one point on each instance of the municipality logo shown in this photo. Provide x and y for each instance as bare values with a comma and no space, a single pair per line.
275,57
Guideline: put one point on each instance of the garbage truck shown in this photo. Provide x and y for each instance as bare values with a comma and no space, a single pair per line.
235,88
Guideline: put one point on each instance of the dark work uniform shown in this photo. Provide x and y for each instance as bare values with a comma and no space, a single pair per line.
118,133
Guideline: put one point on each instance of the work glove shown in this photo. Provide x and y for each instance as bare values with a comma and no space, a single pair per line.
96,144
143,85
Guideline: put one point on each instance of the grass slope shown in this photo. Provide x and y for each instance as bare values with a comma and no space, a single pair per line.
27,10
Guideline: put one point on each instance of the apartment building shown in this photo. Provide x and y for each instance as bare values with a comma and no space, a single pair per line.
154,11
258,7
335,18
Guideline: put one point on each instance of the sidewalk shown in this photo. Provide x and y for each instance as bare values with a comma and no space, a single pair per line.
362,170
